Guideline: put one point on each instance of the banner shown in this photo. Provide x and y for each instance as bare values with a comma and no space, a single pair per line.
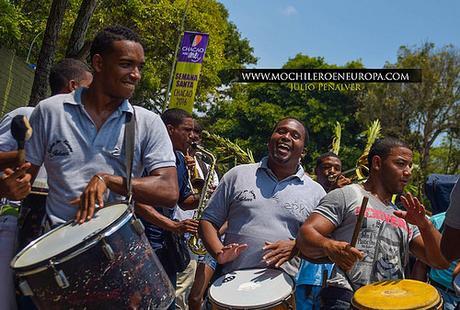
188,68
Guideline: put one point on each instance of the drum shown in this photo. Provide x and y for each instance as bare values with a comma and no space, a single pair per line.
397,294
253,289
106,263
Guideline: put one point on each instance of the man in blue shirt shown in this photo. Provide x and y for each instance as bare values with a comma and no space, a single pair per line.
79,137
159,221
311,276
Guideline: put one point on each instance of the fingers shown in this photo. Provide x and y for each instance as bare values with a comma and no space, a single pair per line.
93,193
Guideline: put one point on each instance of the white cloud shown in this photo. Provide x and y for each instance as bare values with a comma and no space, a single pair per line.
289,11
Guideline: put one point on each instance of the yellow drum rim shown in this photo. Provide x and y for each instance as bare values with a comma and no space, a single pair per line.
396,294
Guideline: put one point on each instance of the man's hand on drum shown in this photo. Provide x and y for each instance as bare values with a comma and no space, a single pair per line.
230,252
415,213
342,253
93,194
279,252
187,226
15,185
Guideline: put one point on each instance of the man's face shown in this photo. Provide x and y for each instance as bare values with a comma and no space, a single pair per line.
287,142
396,169
119,70
181,135
330,166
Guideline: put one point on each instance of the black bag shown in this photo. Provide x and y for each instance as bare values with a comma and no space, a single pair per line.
177,250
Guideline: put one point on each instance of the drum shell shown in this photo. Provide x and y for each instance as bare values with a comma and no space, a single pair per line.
259,288
394,302
134,278
287,304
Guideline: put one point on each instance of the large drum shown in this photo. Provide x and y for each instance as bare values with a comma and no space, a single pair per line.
397,294
106,263
253,289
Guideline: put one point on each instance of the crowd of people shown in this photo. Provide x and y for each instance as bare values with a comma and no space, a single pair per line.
270,214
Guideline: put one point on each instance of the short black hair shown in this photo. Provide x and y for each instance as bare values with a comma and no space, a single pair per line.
382,148
102,43
64,71
319,160
294,119
174,116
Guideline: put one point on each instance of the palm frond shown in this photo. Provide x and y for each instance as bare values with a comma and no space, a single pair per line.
335,148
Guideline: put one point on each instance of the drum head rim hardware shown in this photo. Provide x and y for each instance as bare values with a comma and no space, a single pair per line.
25,289
72,252
59,276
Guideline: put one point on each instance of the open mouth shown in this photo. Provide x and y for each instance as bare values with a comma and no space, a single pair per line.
283,148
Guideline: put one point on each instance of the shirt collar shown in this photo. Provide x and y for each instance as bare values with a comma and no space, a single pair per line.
74,98
263,164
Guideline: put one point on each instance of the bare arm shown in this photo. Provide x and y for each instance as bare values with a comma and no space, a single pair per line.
210,236
449,242
313,244
190,203
8,159
151,215
159,188
15,185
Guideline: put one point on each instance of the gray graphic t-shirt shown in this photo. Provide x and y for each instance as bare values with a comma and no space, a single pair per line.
384,238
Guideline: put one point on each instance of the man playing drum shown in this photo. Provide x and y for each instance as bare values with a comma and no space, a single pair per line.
79,137
386,235
264,204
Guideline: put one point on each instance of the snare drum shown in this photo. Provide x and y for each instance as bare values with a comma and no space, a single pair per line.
397,294
253,289
105,263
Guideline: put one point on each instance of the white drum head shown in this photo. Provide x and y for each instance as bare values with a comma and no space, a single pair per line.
252,288
67,236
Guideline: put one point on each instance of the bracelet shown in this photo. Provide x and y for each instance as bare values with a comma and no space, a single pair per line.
100,178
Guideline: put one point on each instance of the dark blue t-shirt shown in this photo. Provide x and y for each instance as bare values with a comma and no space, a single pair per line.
155,234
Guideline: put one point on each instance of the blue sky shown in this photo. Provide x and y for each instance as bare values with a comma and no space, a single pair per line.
341,31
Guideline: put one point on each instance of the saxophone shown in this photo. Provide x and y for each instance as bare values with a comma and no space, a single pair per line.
194,242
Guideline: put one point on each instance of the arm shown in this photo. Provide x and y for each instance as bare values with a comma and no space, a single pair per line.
313,244
8,159
419,271
151,215
210,236
163,180
190,203
425,247
449,240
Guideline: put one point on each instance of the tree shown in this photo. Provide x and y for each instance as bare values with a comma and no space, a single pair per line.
47,51
80,27
418,112
12,24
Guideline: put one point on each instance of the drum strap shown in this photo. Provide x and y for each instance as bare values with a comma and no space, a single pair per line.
129,136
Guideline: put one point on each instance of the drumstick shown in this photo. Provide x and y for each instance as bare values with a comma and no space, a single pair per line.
21,131
359,221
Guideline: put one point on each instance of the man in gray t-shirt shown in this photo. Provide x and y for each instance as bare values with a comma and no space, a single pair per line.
386,234
264,204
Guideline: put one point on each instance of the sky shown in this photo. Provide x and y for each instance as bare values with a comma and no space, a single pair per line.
341,31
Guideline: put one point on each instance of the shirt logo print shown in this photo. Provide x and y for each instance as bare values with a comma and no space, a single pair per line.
246,195
59,148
